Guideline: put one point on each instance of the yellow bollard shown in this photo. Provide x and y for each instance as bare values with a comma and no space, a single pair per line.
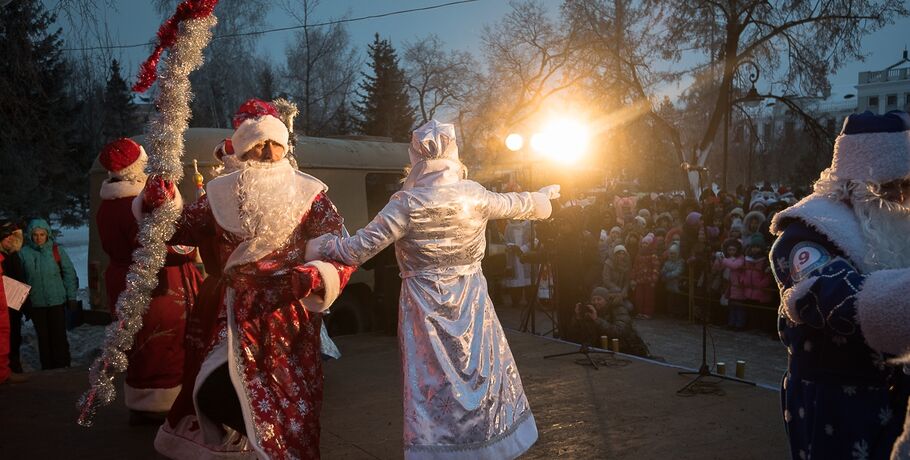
721,368
740,369
604,342
614,345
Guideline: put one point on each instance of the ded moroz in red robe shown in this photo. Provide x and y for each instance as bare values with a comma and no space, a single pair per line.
155,371
268,338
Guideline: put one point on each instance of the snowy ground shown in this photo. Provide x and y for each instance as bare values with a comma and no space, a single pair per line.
75,242
85,344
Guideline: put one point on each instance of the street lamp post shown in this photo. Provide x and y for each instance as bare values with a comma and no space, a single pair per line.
751,96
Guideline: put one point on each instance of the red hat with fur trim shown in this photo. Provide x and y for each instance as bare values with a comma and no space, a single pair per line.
256,121
124,159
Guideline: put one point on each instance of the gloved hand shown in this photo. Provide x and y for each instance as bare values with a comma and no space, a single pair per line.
305,280
72,305
551,191
156,192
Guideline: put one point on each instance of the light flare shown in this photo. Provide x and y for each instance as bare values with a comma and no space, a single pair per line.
514,142
563,140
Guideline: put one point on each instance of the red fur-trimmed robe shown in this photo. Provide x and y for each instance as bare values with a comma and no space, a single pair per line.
250,319
155,370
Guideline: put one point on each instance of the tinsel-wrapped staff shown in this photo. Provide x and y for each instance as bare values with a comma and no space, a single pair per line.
184,35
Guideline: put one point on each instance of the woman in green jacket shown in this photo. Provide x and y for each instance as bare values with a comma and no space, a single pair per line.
50,273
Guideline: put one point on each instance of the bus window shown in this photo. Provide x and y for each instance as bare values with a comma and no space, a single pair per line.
379,188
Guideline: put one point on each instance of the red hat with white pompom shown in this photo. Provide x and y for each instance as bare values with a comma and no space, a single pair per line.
257,121
224,148
124,159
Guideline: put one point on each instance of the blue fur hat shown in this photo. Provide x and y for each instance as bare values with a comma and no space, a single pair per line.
873,148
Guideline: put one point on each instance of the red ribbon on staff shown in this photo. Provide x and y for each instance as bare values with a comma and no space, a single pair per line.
167,35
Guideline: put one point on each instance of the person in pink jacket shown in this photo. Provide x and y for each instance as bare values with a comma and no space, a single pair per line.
756,273
732,294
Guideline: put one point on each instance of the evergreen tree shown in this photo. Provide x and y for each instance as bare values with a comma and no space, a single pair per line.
38,169
384,106
342,120
119,109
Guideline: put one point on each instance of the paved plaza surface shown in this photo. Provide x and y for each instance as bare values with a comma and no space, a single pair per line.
678,342
628,409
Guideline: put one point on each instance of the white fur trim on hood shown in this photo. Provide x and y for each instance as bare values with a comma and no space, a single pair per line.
871,157
834,220
883,311
256,130
114,189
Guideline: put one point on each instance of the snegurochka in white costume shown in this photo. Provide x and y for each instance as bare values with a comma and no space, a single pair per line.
463,397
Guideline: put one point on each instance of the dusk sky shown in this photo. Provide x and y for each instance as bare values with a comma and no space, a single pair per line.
459,26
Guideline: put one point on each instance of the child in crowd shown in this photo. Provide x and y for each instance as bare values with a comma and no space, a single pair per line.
730,265
645,274
756,274
671,274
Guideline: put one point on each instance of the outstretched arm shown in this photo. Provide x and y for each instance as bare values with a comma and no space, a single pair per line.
522,205
388,226
320,289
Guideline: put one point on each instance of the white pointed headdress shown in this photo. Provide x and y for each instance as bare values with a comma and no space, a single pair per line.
433,141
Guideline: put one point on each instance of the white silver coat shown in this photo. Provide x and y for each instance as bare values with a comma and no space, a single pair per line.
463,397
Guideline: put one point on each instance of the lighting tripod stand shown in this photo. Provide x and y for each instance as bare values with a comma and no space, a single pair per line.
586,351
703,371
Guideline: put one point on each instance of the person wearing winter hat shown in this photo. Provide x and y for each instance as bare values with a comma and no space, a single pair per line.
11,241
605,315
752,225
10,367
616,275
224,154
756,274
442,289
257,219
50,273
155,370
646,215
842,262
645,275
671,274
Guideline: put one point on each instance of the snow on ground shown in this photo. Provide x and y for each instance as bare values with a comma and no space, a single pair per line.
85,344
75,242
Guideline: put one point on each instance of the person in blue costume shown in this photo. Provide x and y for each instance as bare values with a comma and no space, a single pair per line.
842,263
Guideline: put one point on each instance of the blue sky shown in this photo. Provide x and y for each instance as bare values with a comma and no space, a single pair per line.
459,26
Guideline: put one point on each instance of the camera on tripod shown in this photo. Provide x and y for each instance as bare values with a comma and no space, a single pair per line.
547,232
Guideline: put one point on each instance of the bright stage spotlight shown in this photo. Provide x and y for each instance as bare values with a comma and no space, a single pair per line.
514,142
562,140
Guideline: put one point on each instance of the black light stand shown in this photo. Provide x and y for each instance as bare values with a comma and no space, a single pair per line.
703,371
528,316
586,351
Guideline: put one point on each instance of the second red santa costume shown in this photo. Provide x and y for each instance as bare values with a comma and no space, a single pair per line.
155,372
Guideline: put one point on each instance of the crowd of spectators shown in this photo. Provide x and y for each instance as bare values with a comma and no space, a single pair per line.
632,255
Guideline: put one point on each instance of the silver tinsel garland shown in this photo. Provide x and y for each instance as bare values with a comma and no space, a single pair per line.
166,149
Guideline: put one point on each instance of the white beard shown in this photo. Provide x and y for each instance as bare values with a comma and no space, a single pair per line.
886,228
272,203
